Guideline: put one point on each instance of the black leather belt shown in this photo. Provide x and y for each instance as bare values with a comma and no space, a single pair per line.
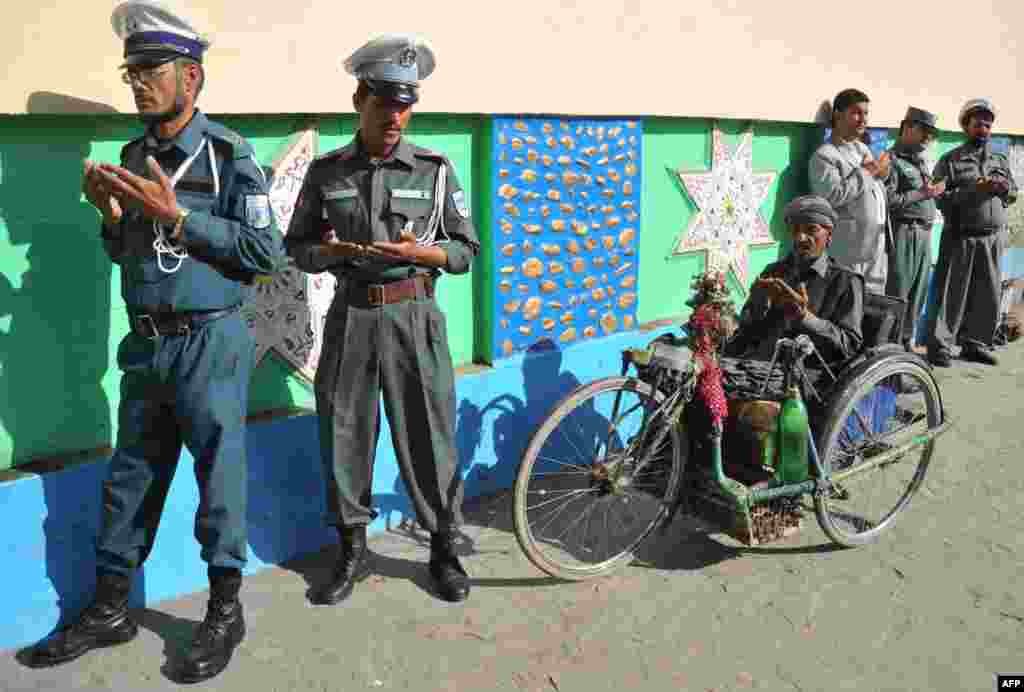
157,324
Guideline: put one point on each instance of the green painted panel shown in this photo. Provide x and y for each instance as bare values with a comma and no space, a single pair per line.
456,138
55,288
672,144
61,313
944,142
483,269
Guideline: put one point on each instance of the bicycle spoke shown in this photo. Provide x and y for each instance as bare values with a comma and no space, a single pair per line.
568,492
556,512
566,529
582,469
573,445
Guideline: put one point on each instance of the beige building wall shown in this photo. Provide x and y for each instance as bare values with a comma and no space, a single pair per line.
773,60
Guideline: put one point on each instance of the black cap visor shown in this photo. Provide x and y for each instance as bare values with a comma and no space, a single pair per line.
394,91
150,58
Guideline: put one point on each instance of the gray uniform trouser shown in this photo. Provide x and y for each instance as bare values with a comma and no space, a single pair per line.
968,283
400,350
910,259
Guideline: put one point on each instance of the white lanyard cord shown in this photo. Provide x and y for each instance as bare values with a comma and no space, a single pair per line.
436,221
162,244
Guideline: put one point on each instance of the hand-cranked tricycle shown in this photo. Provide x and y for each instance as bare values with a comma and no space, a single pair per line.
619,457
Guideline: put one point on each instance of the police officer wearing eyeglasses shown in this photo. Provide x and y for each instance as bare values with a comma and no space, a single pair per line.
386,217
187,217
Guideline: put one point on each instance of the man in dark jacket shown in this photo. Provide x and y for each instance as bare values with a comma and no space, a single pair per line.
807,292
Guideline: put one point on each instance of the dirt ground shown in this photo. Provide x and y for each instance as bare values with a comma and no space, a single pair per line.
936,605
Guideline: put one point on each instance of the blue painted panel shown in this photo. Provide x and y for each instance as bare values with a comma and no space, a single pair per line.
878,139
567,221
50,568
1000,144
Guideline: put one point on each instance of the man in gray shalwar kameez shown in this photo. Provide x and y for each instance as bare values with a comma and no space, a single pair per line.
844,172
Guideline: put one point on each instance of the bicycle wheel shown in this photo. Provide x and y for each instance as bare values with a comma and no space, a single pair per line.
597,478
888,404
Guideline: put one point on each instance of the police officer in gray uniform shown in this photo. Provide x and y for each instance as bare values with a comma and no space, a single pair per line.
911,197
968,278
386,217
187,217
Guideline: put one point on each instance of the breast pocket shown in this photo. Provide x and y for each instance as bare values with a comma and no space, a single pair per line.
964,172
408,209
342,209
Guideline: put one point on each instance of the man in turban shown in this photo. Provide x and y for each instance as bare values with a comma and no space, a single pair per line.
807,292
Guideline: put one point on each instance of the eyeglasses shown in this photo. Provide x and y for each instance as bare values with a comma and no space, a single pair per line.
147,77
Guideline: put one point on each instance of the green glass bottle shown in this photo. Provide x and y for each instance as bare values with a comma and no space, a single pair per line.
792,445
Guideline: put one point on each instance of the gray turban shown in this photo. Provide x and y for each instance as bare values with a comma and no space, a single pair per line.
810,209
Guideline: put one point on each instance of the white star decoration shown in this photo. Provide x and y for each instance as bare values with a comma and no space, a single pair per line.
728,198
287,311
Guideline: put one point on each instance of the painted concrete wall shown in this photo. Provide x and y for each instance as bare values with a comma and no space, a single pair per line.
742,58
50,566
671,144
61,312
61,315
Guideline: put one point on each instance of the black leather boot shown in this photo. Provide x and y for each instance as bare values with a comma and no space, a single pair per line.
104,622
350,569
450,578
979,354
221,631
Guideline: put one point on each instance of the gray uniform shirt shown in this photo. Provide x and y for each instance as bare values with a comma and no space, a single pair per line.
971,212
364,201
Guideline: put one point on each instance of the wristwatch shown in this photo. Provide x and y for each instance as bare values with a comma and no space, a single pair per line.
179,222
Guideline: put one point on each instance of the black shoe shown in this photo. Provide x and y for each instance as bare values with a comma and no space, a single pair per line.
104,623
979,355
450,578
221,631
350,569
940,359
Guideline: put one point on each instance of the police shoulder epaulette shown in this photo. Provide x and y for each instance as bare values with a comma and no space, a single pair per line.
239,148
425,153
342,153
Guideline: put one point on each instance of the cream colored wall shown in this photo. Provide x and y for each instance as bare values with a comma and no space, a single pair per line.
597,57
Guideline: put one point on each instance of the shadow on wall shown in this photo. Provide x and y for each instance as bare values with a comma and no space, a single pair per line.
792,180
510,422
55,287
43,102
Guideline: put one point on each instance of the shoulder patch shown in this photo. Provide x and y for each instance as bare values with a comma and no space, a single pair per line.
459,200
257,211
